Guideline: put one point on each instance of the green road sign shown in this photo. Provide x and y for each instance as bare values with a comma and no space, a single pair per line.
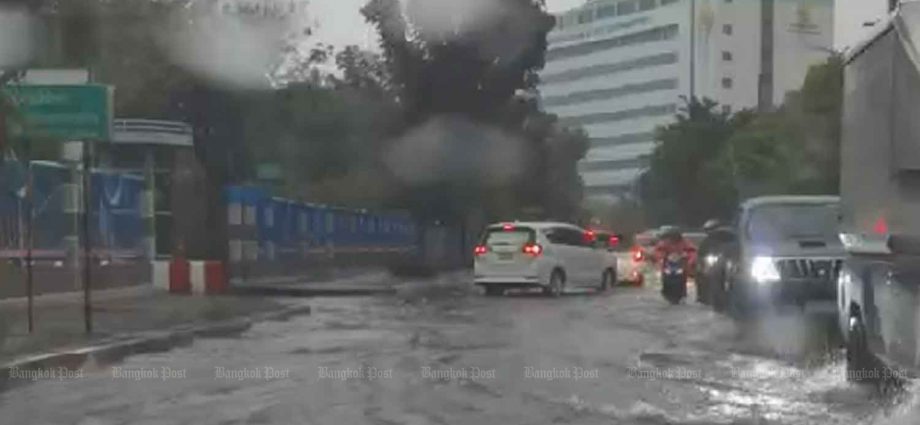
77,112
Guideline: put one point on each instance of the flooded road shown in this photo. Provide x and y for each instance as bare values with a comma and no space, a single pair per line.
447,355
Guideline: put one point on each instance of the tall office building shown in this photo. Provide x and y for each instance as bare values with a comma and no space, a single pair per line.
619,68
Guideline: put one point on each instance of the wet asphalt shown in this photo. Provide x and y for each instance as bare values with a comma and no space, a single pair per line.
441,353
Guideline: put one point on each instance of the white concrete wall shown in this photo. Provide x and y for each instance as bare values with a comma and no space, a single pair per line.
743,45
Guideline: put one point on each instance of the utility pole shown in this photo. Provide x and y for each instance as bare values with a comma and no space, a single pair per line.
87,242
30,232
692,49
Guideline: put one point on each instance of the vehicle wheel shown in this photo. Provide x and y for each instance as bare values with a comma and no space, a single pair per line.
607,279
556,283
717,291
858,359
702,289
494,291
737,304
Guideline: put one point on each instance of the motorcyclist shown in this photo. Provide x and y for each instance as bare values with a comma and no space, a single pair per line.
672,241
709,253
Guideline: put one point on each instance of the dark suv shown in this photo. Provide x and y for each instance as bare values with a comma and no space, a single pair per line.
786,251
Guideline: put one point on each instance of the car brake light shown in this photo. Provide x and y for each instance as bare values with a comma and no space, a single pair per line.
533,249
480,249
507,227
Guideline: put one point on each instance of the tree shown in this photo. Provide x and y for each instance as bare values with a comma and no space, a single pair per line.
682,184
706,161
460,57
816,111
463,73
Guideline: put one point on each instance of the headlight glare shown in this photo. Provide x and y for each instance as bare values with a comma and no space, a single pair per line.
763,270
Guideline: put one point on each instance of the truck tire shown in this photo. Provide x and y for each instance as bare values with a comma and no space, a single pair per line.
858,359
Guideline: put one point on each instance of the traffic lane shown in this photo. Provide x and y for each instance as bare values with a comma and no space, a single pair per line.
463,358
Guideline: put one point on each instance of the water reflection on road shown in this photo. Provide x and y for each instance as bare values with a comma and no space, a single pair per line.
452,356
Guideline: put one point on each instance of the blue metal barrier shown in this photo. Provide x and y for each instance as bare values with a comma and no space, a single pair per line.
116,226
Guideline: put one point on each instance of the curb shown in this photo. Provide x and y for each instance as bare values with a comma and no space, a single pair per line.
306,292
151,342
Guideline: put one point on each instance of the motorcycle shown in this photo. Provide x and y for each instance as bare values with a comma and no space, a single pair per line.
674,277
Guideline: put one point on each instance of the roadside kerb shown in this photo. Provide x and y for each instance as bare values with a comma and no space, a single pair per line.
307,291
148,342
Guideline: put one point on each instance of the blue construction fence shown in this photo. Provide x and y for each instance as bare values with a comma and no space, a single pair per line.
271,235
116,222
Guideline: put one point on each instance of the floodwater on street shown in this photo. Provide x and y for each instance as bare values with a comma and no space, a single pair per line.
451,356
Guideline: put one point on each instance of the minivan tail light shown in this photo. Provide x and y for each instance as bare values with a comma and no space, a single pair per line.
533,249
480,250
637,255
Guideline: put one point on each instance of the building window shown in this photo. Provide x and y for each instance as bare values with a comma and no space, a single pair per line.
728,1
727,83
668,32
727,29
727,109
646,5
726,56
667,2
610,68
626,7
610,93
607,10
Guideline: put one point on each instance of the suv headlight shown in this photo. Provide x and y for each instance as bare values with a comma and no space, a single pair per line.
763,270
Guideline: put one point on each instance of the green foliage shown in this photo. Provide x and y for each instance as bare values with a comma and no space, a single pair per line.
683,184
706,161
470,67
460,57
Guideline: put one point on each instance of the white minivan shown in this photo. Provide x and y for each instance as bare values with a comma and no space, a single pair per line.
546,255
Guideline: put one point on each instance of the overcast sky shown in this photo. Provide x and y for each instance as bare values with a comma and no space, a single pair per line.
339,22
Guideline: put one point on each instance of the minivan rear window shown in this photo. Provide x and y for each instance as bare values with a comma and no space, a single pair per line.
517,236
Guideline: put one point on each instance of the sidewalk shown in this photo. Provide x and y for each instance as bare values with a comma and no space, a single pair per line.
116,314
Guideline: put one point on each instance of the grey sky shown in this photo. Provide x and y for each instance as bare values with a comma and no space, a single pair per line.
340,23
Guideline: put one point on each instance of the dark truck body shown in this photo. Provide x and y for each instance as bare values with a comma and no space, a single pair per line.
879,285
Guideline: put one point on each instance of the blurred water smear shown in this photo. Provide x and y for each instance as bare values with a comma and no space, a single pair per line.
237,43
17,37
453,149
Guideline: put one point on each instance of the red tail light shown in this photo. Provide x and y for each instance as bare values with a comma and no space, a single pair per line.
533,249
480,250
638,255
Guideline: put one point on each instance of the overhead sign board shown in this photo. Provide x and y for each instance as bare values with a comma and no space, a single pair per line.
67,112
55,76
